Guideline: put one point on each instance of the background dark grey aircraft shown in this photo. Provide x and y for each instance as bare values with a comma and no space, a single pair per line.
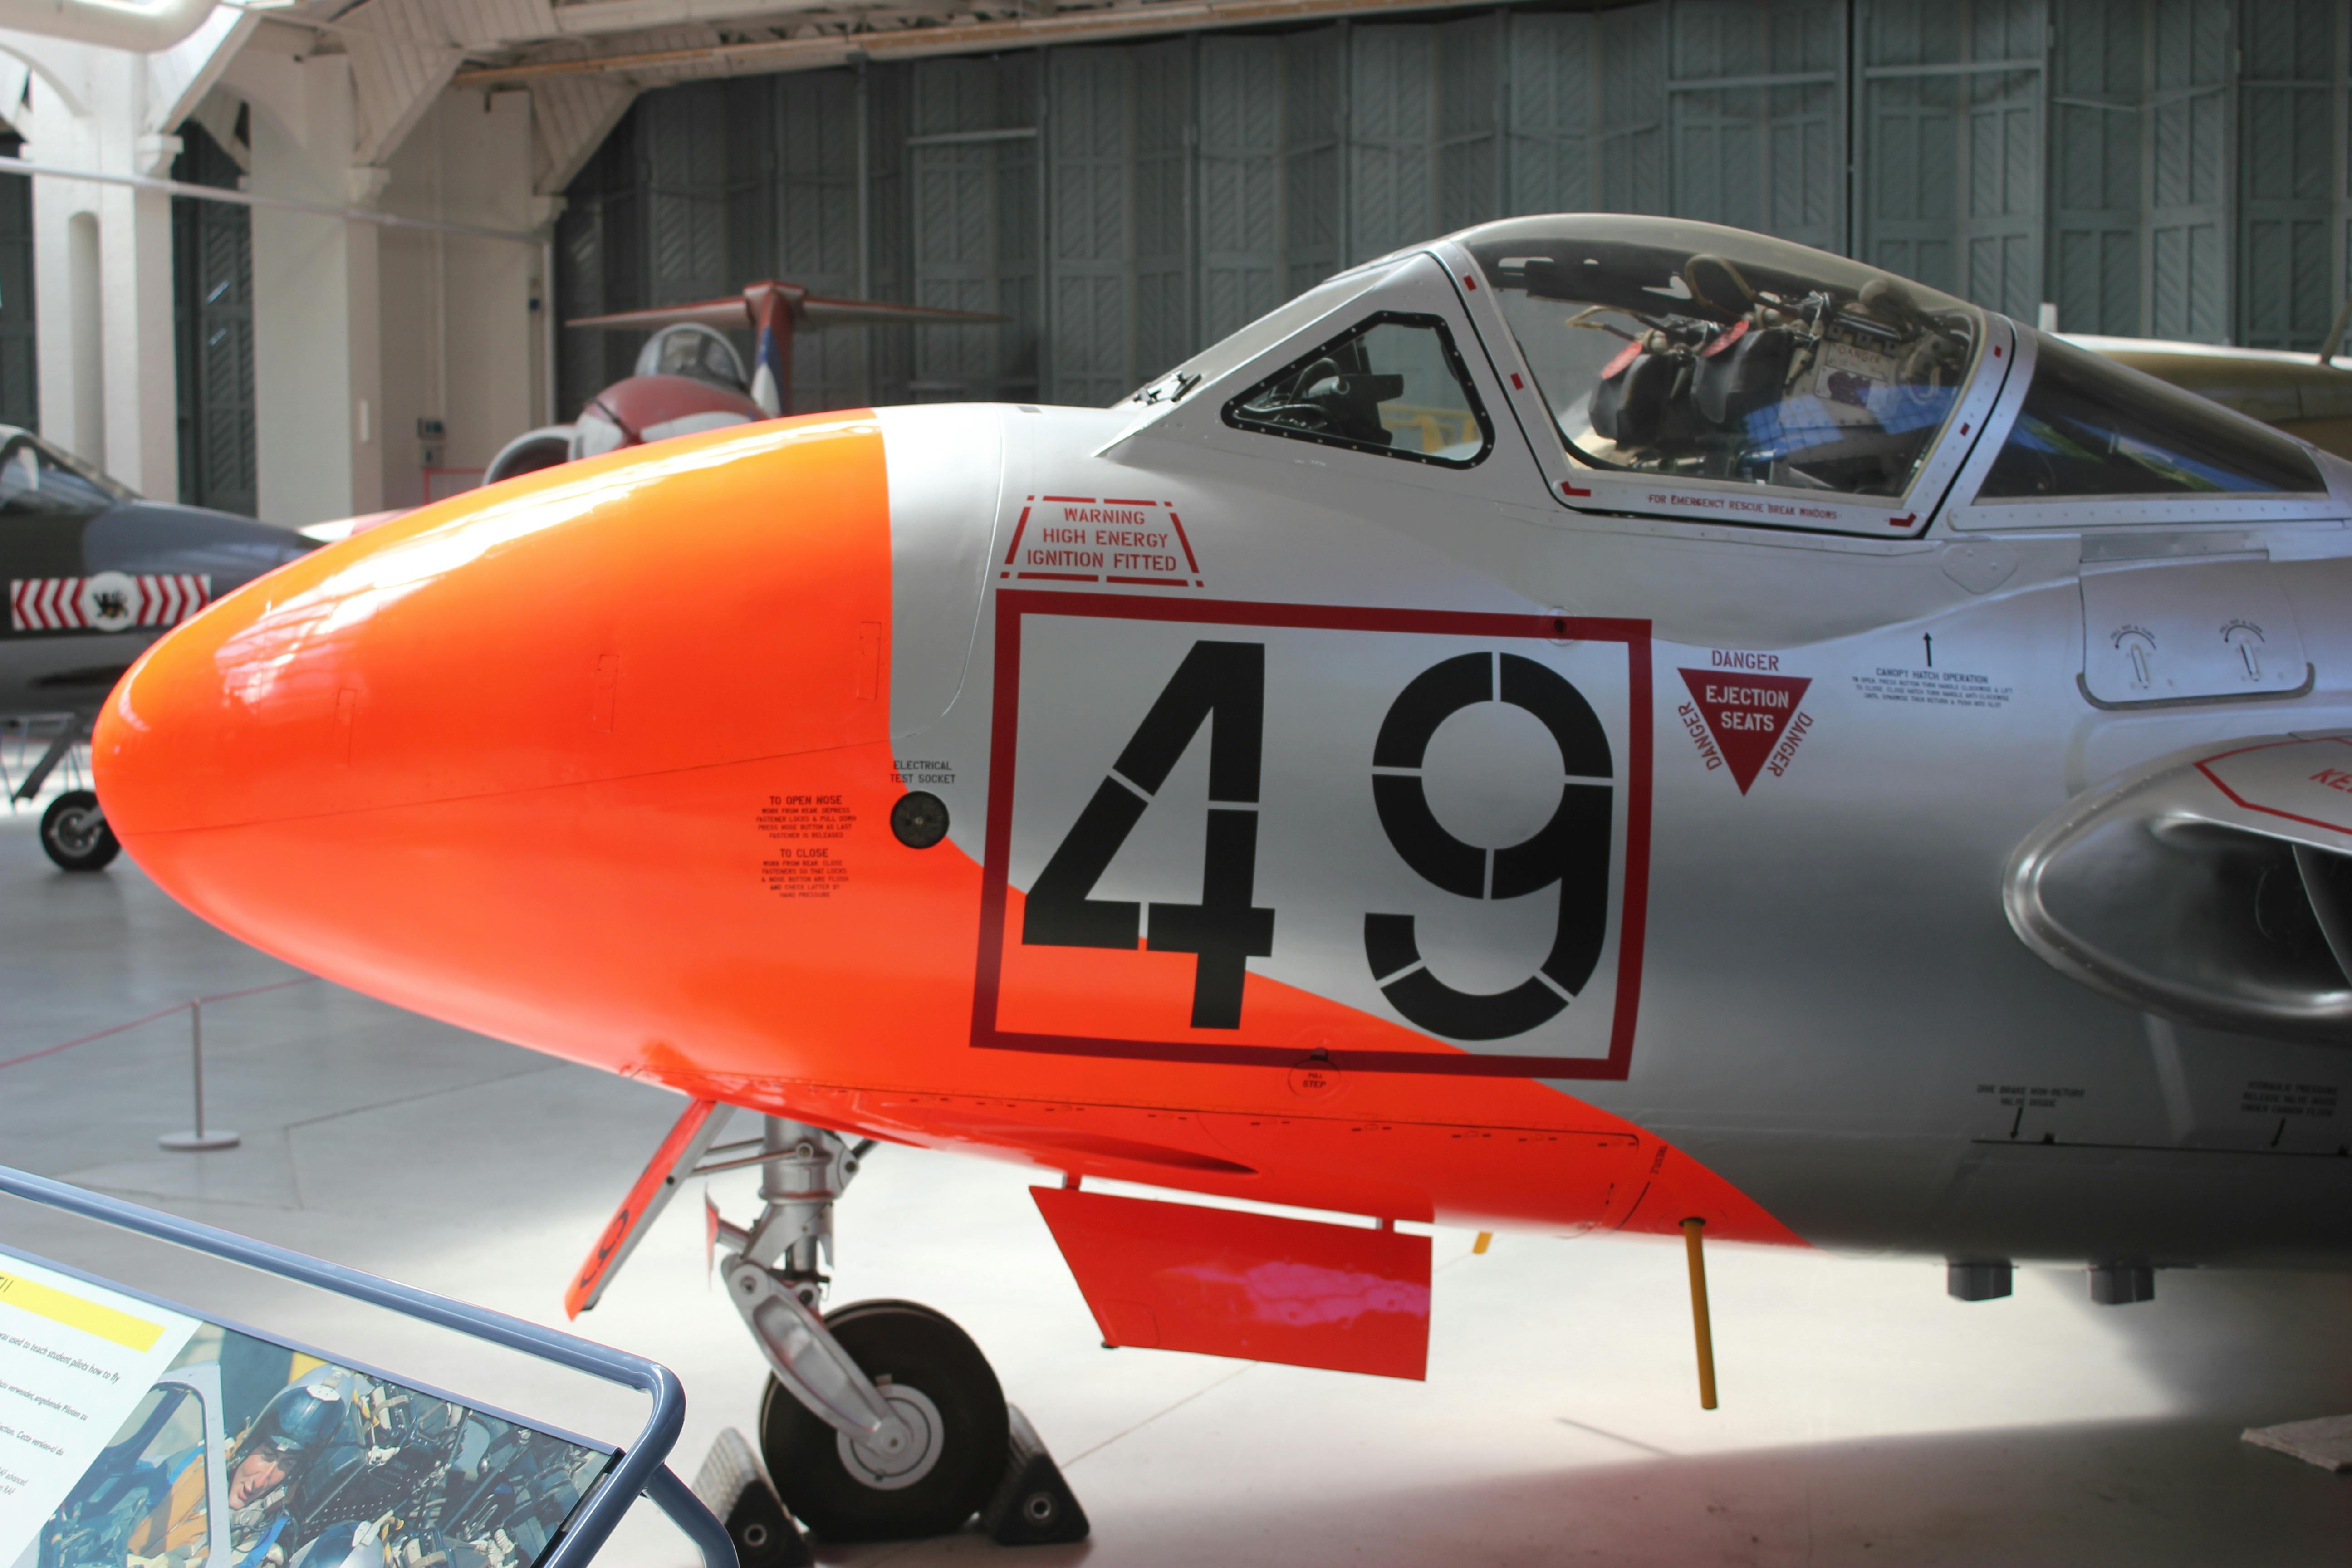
95,574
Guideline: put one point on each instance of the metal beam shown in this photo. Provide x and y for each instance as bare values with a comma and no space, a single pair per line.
248,199
778,54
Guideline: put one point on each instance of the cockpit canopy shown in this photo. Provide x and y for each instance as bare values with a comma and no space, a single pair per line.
37,478
1664,350
1699,352
702,352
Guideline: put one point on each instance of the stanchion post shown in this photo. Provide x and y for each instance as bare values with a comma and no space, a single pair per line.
199,1139
1701,1329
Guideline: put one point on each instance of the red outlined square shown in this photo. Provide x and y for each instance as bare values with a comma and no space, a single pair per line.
1014,604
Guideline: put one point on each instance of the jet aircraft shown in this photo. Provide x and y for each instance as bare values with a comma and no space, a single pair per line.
1593,723
94,575
688,378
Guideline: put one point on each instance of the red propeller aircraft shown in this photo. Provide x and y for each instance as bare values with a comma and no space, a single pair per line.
688,378
1593,723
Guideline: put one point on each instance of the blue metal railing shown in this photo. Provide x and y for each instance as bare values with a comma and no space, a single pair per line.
641,1469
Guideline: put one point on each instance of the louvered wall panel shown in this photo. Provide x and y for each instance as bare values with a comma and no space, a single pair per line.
1719,156
813,237
1551,72
1767,157
212,287
1313,75
748,196
601,265
2097,69
1470,80
223,336
20,403
1635,157
1805,125
953,212
1164,133
1910,153
1391,133
1089,160
1951,164
1020,266
685,150
579,255
2001,229
753,149
624,219
889,261
2189,145
2289,278
1241,204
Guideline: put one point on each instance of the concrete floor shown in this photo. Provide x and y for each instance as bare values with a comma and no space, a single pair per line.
1866,1418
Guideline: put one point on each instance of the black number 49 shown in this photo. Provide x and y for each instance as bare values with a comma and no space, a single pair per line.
1223,684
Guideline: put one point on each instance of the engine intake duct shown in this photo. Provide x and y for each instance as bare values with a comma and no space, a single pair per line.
2211,886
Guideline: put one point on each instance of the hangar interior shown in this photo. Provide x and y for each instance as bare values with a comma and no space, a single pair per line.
2173,168
319,258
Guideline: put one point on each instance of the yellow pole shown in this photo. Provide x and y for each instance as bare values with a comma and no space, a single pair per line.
1485,1238
1693,1246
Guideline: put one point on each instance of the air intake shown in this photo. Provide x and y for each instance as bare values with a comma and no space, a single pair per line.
2214,886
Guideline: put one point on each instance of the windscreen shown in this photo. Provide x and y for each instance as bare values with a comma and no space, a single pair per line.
2092,428
1393,383
1686,350
692,350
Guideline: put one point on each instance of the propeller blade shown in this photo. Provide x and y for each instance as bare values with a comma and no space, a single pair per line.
728,314
738,311
818,310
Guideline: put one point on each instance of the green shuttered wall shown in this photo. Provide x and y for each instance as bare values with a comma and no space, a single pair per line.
2169,167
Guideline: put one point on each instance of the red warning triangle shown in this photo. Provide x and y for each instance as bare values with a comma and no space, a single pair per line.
1746,714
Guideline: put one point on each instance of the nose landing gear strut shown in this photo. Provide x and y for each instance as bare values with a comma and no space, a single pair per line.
882,1419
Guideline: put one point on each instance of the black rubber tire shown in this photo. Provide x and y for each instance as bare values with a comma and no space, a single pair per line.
67,835
915,1348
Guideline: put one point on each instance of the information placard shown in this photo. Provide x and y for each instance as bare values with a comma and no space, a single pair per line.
132,1435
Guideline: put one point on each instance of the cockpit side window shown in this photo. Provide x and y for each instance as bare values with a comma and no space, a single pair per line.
2092,428
1392,383
1770,364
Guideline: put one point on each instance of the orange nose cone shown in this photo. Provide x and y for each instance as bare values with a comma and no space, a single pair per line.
423,761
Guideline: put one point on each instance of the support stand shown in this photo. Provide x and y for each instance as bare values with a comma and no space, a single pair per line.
1034,1506
198,1141
734,1489
1702,1327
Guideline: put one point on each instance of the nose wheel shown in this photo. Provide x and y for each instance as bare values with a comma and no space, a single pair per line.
945,1468
74,833
881,1420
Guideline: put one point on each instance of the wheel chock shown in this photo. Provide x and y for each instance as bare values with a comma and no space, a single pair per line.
732,1485
1034,1506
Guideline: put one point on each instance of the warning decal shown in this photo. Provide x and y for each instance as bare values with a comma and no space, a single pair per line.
1111,538
1747,714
